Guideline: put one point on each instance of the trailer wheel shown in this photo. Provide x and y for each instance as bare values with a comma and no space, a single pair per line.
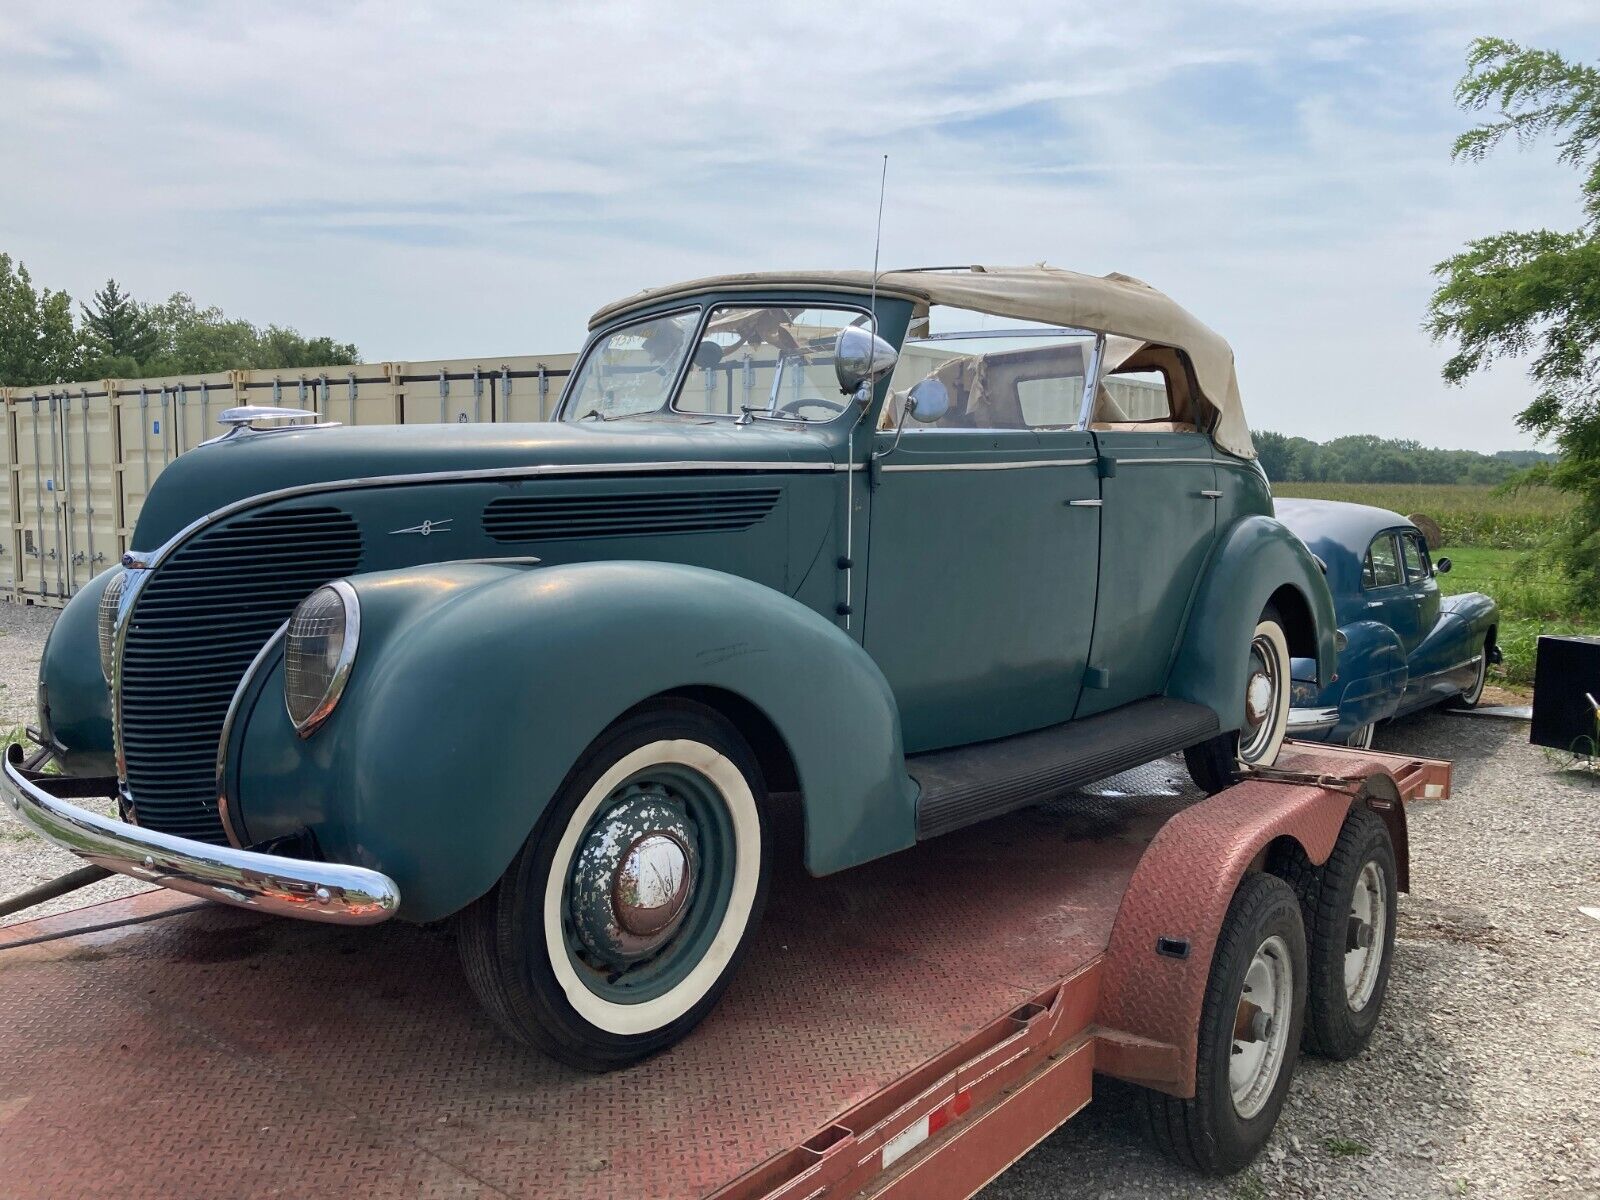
1215,764
1349,910
616,928
1250,1029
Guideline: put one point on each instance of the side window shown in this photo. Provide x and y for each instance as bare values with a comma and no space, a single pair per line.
1416,557
1000,373
1381,569
1134,396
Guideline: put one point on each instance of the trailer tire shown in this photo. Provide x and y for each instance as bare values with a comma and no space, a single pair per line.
1347,983
623,917
1223,1126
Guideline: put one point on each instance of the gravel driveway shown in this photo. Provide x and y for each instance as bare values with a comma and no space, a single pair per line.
1484,1076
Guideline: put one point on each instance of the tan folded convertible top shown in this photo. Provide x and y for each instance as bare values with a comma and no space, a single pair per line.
1112,304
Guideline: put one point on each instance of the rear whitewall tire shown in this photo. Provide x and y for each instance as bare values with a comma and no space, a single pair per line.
1216,763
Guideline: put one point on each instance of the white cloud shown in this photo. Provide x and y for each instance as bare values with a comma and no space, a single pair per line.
465,178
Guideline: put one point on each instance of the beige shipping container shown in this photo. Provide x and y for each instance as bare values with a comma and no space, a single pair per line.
523,388
83,456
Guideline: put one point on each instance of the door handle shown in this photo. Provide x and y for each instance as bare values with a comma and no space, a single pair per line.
1084,503
1210,495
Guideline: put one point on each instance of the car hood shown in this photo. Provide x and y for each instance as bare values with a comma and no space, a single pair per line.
223,472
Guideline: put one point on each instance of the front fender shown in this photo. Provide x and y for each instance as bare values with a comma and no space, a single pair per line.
1254,560
476,687
74,702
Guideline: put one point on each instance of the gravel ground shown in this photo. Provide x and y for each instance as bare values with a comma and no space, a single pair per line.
1484,1076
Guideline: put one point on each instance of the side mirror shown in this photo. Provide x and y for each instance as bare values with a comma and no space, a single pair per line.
1441,566
859,357
707,355
928,401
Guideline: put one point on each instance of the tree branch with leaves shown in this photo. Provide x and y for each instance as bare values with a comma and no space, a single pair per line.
1536,295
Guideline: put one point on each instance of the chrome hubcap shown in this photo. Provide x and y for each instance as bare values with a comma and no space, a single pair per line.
1261,693
1364,937
1261,1027
1258,697
652,884
632,879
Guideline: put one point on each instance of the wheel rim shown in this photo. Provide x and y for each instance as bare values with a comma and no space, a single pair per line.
1262,689
1261,1027
1361,739
1365,937
649,885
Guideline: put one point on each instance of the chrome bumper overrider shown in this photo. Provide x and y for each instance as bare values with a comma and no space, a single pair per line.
1304,720
290,887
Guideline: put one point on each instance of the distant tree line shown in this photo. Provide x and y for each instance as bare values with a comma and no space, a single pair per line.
1363,458
114,336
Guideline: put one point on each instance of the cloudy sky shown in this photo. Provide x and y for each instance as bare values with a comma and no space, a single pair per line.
464,179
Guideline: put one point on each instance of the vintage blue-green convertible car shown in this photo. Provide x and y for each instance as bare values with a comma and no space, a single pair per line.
920,549
1403,645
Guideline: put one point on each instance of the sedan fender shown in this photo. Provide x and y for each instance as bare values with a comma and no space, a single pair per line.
1256,561
476,687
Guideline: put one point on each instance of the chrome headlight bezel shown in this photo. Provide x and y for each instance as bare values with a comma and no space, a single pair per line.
306,720
106,622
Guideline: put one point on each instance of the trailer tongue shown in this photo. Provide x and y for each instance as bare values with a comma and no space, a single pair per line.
908,1029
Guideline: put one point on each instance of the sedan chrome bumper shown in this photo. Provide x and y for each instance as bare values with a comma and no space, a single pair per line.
290,887
1312,720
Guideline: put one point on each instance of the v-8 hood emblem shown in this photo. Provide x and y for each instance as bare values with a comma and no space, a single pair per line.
426,528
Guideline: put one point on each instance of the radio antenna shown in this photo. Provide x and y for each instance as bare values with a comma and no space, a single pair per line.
848,561
877,243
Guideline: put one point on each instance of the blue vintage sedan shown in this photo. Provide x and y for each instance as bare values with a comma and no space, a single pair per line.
1403,645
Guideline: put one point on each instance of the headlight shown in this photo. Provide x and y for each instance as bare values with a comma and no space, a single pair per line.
318,651
108,621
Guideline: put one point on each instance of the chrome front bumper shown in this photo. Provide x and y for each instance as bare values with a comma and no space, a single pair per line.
1312,720
290,887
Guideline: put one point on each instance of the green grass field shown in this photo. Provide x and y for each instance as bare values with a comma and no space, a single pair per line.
1487,539
1469,515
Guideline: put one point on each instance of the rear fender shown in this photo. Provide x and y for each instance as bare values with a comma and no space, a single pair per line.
1254,560
476,687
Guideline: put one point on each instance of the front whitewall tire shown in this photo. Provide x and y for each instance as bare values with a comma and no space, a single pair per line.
651,1015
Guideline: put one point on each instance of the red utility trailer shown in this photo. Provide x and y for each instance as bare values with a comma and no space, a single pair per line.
906,1029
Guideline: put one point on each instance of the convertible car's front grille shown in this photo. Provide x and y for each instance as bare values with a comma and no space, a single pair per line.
559,518
197,624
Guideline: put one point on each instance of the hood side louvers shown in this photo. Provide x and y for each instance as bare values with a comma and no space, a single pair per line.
640,514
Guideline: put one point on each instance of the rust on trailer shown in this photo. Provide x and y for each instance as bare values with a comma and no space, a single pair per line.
905,1029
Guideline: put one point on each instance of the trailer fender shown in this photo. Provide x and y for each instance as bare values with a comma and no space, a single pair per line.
1159,957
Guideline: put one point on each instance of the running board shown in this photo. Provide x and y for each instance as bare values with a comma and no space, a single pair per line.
973,783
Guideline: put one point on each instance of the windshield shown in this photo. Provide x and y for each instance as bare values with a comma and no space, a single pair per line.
630,372
765,362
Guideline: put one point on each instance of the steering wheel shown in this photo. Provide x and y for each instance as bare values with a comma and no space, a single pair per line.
793,407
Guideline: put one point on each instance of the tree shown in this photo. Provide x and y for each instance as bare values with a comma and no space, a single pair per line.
1516,294
38,342
118,334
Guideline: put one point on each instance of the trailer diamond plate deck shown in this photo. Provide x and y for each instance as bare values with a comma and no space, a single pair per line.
217,1052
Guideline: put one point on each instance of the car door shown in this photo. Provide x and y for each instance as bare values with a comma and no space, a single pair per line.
983,548
1386,596
1156,529
1419,578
